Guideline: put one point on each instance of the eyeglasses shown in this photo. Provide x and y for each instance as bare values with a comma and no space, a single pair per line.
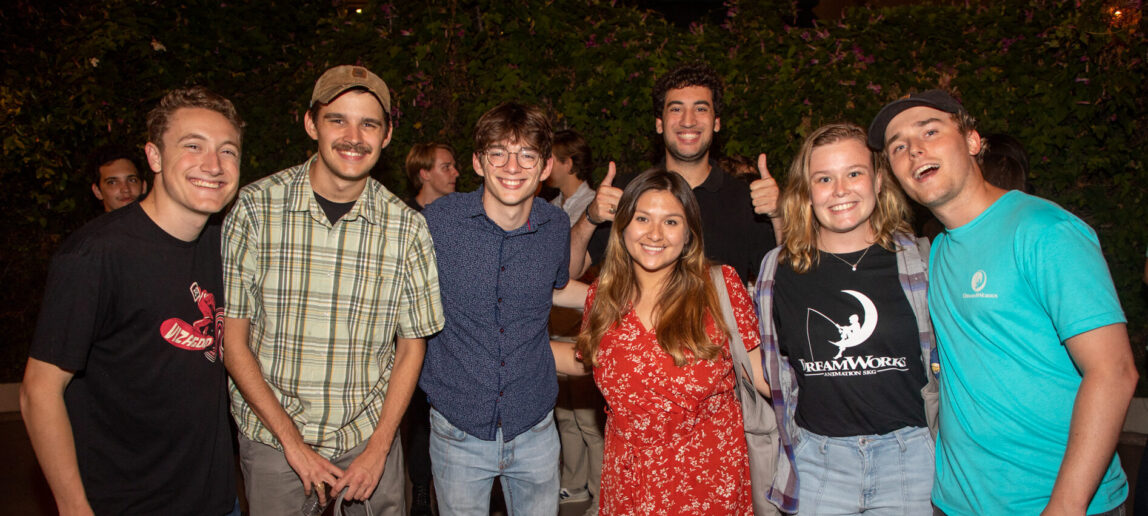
500,157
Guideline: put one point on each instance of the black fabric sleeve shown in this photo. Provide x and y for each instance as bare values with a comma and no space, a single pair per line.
70,311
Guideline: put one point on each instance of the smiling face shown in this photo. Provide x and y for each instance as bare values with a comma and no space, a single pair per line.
657,233
688,123
351,132
119,185
843,189
440,178
197,171
930,157
510,185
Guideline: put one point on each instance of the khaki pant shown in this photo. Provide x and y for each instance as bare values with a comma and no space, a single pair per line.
273,488
579,416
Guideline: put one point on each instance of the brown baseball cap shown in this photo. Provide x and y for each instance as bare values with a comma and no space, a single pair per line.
342,78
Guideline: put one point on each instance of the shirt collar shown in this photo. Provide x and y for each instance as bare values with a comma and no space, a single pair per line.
716,178
539,215
714,181
301,197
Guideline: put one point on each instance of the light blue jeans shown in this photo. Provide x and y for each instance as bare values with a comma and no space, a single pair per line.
464,467
888,474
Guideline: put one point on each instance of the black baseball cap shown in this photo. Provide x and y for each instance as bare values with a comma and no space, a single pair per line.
936,99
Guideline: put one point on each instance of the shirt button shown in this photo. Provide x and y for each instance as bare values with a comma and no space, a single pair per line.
503,363
502,268
502,330
500,300
500,393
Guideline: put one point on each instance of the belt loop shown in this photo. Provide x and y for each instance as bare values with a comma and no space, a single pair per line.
900,433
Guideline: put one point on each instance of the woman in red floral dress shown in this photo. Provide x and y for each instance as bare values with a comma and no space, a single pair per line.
654,334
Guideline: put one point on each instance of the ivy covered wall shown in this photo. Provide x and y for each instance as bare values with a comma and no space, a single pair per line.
1066,78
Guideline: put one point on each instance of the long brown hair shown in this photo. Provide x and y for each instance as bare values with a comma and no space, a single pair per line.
687,296
800,227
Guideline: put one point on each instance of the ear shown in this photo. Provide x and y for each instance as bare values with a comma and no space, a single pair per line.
313,132
717,124
387,140
878,183
154,157
424,174
143,187
547,169
658,125
974,141
97,192
476,162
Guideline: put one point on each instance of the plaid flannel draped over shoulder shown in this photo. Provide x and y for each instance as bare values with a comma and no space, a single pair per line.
912,273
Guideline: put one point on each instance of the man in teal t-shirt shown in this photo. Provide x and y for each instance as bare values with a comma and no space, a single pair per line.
1036,368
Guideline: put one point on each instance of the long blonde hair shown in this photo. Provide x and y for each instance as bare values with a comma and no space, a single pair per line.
687,296
800,226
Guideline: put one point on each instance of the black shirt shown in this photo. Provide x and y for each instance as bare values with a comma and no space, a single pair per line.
734,235
851,337
138,315
334,210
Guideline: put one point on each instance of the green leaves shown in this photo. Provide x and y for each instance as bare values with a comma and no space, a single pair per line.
1058,77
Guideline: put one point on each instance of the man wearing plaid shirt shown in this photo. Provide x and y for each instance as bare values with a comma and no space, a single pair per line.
331,290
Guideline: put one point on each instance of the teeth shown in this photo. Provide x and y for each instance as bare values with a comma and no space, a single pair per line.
842,207
206,184
653,248
924,168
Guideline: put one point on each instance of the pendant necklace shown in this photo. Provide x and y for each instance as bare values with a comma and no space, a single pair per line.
846,262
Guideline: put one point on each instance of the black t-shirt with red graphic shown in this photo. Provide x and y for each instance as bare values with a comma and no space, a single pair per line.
137,315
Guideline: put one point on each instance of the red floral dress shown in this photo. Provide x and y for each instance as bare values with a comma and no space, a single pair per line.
675,443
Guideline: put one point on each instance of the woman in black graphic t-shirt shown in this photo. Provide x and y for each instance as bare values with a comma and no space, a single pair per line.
848,336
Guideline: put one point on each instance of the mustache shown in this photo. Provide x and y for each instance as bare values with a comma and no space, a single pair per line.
360,148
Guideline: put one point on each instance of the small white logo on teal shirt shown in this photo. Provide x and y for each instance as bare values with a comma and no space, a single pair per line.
980,279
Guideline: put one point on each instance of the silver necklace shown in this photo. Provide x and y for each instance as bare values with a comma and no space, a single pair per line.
846,262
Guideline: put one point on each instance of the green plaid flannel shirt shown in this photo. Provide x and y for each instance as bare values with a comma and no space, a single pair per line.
326,302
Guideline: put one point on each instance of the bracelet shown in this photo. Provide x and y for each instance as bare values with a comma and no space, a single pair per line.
590,218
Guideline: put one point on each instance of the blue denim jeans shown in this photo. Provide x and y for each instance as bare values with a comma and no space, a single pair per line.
464,467
888,474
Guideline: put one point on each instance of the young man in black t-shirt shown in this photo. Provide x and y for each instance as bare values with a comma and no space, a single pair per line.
124,395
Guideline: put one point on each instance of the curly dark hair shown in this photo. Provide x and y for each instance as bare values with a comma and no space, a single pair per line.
686,75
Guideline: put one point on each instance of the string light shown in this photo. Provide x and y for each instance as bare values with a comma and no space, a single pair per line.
1124,14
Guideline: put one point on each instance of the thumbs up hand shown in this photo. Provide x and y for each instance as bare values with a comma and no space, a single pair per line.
764,192
606,199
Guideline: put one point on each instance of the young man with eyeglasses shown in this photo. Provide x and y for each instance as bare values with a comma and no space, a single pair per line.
489,375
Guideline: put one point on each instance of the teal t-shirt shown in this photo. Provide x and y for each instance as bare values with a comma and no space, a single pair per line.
1005,291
